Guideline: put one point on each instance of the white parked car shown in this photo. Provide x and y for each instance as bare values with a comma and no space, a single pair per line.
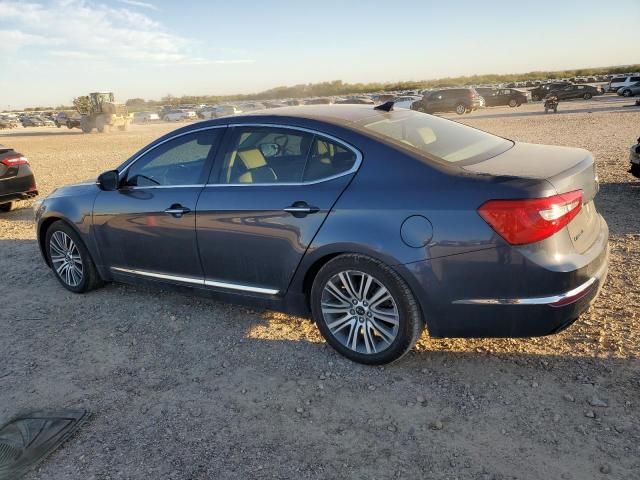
220,111
143,117
622,81
179,115
405,101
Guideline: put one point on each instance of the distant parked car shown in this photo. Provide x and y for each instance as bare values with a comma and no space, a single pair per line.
540,92
459,100
355,101
623,81
405,101
16,178
31,122
630,91
575,91
494,97
179,115
634,159
46,121
222,111
143,117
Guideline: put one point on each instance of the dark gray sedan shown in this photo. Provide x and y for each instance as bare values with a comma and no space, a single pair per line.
374,222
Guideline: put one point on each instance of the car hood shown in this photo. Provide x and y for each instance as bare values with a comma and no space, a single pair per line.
75,189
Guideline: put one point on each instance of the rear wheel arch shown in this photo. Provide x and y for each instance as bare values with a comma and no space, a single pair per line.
312,272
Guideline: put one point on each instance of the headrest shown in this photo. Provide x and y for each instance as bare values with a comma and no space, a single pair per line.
252,158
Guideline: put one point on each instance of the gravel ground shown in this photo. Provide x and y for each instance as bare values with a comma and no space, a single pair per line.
188,388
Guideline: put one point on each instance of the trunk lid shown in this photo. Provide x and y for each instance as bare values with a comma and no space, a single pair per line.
566,169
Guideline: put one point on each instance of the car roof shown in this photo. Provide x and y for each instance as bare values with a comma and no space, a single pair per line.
341,115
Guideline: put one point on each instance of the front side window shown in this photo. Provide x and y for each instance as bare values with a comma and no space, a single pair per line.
265,155
180,161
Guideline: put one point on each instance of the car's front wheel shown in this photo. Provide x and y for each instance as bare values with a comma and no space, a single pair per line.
626,93
6,207
365,310
513,103
70,259
587,96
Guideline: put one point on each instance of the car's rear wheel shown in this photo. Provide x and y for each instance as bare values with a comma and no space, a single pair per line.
535,98
460,108
513,103
6,207
365,310
587,96
626,93
70,259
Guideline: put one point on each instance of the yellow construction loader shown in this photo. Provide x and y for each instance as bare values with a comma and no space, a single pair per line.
99,110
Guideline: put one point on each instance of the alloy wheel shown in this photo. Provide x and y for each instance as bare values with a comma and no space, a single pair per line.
360,312
460,109
66,259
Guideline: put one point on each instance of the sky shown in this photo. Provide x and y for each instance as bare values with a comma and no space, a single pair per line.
54,50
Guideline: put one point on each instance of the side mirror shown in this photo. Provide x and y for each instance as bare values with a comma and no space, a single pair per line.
108,181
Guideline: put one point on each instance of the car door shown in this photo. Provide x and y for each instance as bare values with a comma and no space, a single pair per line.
147,226
267,197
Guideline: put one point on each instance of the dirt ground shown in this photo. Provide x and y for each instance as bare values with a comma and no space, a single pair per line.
187,388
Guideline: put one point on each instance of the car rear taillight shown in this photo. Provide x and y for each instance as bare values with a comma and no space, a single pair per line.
530,220
13,161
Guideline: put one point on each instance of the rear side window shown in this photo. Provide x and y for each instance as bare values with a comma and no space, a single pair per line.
260,155
435,137
635,79
327,159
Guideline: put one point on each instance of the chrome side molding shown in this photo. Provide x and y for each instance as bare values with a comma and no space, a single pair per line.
197,281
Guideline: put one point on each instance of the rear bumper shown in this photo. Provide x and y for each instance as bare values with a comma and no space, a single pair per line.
10,197
458,293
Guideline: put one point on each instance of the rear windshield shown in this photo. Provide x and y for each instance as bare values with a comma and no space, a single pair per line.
436,137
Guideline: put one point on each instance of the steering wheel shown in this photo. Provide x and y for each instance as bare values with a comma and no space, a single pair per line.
140,175
283,141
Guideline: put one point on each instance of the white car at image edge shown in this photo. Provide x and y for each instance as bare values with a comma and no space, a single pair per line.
179,115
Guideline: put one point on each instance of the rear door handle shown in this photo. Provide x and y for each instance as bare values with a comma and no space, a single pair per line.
301,208
177,210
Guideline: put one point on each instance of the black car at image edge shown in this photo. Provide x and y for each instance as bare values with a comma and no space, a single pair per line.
16,178
375,223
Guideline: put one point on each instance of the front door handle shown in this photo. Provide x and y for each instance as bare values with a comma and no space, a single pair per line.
301,208
177,210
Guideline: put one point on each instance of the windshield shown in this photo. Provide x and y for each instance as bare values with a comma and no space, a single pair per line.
436,137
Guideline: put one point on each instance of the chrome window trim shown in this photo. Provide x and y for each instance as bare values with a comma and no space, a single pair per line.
353,169
197,281
201,185
346,145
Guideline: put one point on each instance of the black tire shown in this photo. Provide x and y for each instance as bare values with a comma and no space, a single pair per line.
90,278
461,108
635,170
587,96
6,207
626,93
410,321
546,110
555,109
513,103
535,98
